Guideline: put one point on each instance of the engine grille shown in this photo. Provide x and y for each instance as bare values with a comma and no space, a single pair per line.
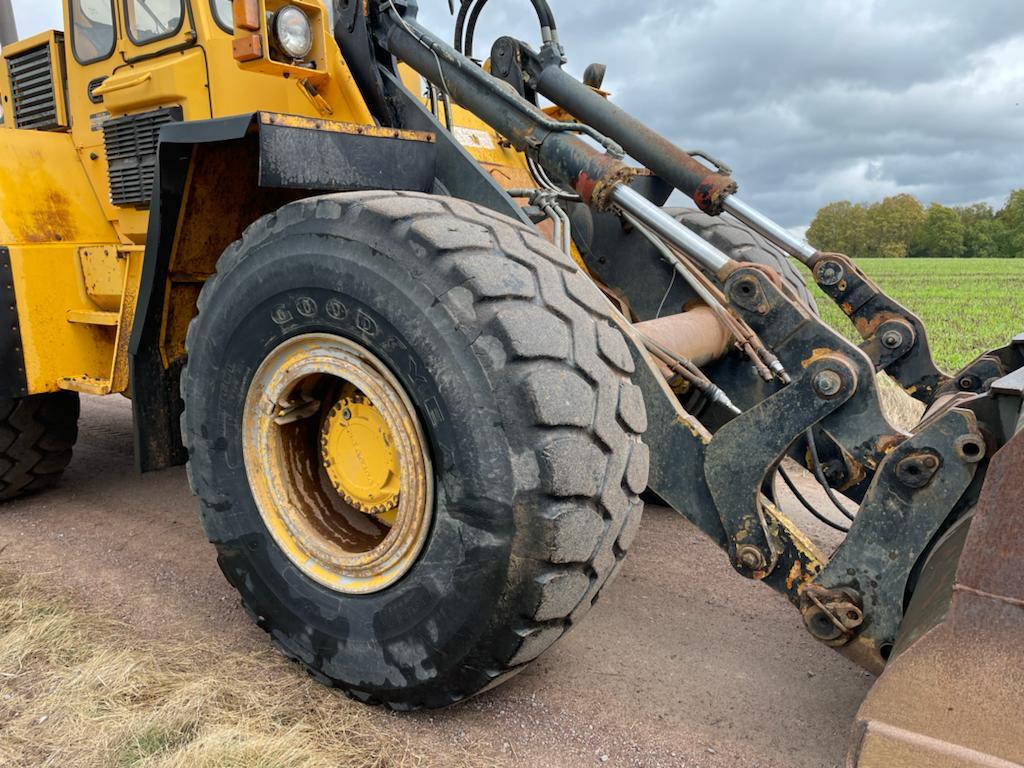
131,143
33,96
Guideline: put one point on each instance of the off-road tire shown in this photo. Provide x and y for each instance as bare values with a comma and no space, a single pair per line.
742,244
534,429
37,434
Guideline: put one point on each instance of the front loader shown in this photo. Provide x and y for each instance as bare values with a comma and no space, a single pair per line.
424,342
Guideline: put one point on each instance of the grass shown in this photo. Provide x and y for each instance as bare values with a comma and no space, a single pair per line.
969,306
78,690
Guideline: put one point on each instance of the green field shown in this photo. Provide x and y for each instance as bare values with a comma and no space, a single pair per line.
969,306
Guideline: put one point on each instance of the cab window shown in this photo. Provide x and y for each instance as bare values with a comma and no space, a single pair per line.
92,29
150,20
222,13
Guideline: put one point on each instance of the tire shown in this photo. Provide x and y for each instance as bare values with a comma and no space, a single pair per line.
37,434
534,430
742,244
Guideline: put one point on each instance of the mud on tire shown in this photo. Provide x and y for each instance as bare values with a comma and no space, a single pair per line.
521,381
37,434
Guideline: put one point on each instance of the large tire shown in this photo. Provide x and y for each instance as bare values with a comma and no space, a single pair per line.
742,244
534,431
37,434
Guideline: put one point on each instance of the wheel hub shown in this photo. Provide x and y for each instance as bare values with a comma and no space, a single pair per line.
337,463
359,456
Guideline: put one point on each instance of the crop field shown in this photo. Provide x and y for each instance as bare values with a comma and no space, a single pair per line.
968,305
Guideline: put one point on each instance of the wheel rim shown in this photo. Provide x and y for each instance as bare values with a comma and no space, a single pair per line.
337,463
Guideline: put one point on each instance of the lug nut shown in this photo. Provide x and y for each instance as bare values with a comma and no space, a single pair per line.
828,383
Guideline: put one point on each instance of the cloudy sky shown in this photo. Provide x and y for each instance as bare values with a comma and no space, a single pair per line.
808,100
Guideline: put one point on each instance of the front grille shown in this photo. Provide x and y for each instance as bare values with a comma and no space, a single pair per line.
131,143
33,96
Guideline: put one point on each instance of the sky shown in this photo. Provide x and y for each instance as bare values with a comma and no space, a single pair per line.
809,101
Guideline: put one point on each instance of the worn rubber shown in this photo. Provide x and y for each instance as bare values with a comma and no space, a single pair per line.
742,244
522,383
37,435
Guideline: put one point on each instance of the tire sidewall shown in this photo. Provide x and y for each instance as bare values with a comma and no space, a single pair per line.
298,283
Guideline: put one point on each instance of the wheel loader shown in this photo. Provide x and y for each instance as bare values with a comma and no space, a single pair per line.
424,330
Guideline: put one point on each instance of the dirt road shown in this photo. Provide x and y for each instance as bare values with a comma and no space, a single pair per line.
681,663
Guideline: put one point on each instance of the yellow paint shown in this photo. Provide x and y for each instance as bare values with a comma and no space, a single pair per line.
48,39
45,195
76,256
359,455
308,521
69,340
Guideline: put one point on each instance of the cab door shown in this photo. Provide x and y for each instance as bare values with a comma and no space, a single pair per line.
162,64
156,74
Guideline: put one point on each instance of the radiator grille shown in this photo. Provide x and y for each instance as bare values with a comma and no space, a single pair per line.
33,96
131,143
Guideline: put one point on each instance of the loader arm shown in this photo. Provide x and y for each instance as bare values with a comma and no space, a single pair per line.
913,486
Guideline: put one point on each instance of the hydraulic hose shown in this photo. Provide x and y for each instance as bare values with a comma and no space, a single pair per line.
469,15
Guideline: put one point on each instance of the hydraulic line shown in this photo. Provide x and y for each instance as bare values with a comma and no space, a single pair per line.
743,335
690,243
819,475
775,233
469,15
690,372
428,55
807,505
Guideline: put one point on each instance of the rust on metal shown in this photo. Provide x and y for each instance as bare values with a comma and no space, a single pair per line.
951,693
334,126
711,192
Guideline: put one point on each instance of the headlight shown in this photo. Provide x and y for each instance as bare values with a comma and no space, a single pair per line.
292,32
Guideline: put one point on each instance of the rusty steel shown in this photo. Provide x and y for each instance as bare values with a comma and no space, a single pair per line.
707,187
951,694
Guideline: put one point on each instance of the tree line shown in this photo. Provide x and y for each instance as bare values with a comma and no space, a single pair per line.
900,227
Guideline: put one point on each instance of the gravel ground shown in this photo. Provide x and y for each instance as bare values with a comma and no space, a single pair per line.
681,663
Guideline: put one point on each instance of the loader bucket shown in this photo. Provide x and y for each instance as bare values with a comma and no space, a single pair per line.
952,695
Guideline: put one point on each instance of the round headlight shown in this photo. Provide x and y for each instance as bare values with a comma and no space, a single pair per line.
292,32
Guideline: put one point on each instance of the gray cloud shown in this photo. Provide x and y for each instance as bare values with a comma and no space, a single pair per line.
808,100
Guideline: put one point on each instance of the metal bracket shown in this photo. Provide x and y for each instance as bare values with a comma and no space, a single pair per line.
910,498
743,454
896,340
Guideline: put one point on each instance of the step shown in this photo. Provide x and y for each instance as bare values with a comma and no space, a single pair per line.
93,317
87,385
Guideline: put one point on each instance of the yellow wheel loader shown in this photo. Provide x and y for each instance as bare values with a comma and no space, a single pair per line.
424,341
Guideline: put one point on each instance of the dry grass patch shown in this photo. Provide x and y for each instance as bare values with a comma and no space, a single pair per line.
76,690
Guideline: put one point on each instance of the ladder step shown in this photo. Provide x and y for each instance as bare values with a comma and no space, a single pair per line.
93,317
87,385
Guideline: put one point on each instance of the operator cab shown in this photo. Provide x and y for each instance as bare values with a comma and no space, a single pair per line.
126,68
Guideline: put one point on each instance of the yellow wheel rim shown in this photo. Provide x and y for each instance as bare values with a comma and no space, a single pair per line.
337,463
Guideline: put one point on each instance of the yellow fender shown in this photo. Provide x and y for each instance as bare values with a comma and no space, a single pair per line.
61,257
